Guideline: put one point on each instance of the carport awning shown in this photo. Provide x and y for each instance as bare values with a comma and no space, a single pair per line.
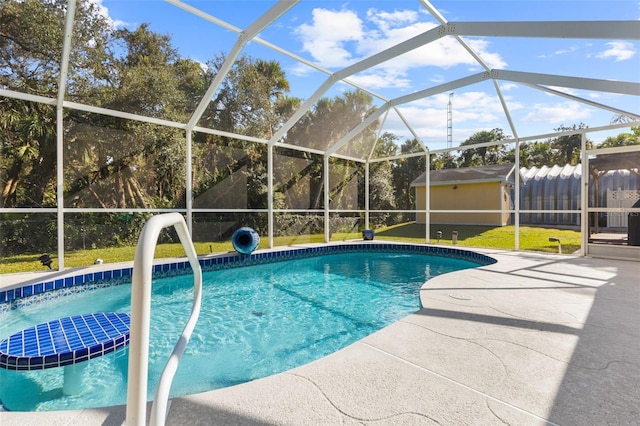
621,161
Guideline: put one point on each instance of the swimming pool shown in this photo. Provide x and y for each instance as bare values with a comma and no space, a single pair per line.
255,321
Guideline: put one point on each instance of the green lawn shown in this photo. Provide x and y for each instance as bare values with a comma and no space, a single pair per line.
531,238
499,237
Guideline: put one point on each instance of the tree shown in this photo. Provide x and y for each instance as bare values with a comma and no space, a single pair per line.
483,155
30,40
535,154
323,126
381,177
568,147
622,139
405,171
31,37
28,158
620,118
332,118
251,100
444,161
273,79
113,162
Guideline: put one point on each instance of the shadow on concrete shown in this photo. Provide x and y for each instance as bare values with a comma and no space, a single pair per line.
413,230
497,320
601,384
602,381
187,412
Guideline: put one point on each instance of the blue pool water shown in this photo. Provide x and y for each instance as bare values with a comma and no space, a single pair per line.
255,321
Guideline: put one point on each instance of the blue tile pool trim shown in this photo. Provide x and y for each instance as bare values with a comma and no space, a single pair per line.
51,289
65,341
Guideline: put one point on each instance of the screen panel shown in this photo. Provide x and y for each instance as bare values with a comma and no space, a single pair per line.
24,237
298,180
115,163
298,228
28,154
228,173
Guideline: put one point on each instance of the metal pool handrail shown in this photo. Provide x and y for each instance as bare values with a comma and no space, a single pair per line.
140,319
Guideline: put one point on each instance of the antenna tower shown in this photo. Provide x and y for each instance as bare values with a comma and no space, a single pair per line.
450,121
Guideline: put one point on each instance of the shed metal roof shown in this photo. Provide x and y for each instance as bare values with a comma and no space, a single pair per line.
491,173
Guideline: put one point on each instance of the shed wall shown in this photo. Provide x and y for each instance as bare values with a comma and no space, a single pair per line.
474,196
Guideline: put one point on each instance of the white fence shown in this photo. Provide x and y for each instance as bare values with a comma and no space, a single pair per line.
620,199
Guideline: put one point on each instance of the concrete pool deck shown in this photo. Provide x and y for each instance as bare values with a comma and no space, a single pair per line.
531,340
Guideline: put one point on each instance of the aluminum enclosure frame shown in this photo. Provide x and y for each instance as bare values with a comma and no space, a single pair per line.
547,83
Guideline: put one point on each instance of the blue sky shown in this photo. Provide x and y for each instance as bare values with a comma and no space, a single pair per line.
335,34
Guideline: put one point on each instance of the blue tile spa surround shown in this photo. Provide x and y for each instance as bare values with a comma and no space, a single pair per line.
50,289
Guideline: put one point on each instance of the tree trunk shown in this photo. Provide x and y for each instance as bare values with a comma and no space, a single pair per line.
120,193
10,187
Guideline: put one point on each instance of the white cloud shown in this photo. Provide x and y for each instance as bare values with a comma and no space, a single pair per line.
336,39
421,118
556,113
464,102
300,69
203,66
567,50
428,116
103,11
377,79
571,49
493,59
574,92
443,53
472,111
387,20
326,38
508,86
567,90
618,50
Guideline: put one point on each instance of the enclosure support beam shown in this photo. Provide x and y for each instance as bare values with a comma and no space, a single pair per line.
60,187
366,194
270,194
410,128
581,83
190,180
245,37
427,195
505,109
584,197
617,111
380,57
516,196
591,30
356,130
327,230
62,84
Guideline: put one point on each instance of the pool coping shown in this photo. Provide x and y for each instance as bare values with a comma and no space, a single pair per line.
533,341
105,275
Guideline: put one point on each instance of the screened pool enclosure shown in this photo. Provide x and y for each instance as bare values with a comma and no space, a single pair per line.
309,121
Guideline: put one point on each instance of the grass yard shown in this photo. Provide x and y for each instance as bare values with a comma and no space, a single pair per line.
76,258
531,238
498,237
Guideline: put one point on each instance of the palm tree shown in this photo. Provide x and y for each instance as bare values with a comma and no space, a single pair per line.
28,153
569,146
275,84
